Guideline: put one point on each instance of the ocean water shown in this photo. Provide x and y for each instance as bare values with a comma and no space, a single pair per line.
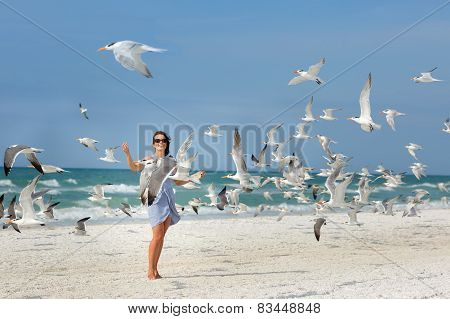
72,189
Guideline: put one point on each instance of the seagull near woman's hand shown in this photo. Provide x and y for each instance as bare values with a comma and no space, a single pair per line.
425,77
310,75
128,54
365,119
390,116
109,155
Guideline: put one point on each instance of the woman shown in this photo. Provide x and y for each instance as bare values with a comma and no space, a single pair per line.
162,213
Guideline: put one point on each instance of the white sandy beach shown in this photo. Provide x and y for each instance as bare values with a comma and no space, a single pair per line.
387,257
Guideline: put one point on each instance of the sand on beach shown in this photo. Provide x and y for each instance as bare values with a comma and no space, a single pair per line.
387,257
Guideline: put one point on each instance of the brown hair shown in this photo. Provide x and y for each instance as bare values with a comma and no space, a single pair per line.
167,137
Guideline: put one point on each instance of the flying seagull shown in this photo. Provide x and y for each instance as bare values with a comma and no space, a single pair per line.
80,228
300,131
310,75
412,148
98,193
14,150
390,117
309,117
328,114
425,77
153,181
261,160
447,126
126,209
365,119
317,226
128,54
213,131
83,111
109,155
223,199
88,142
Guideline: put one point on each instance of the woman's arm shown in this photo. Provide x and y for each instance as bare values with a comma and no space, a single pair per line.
133,165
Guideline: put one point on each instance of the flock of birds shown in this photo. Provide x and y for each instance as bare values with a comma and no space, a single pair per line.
294,177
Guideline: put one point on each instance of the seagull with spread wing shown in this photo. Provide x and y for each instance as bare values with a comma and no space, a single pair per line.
365,119
310,75
128,54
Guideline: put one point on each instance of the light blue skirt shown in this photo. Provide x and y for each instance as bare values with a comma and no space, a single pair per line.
163,206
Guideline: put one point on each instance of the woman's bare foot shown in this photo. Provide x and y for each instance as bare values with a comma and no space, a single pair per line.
152,275
157,275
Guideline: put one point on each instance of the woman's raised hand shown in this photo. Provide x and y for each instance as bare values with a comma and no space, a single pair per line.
125,148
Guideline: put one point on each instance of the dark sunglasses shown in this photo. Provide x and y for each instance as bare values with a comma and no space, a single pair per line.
157,140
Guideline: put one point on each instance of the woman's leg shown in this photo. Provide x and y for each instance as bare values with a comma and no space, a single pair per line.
166,225
153,248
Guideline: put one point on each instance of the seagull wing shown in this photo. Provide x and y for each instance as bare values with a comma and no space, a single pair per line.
317,226
271,133
308,109
315,68
25,199
182,151
364,99
296,80
31,157
81,224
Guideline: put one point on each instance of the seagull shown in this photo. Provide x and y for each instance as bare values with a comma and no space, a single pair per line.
390,116
213,131
109,155
26,202
223,199
425,77
128,54
11,209
99,194
259,209
153,177
184,163
126,209
418,170
48,211
261,160
2,208
88,142
412,148
14,150
212,195
447,126
325,143
271,135
237,154
388,205
365,119
318,225
83,111
80,228
309,117
267,196
352,215
195,204
442,187
330,182
48,169
300,131
310,75
364,172
328,114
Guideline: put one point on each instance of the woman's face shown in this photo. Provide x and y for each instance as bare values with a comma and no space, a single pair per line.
160,142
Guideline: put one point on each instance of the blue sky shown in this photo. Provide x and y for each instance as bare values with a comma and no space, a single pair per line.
226,63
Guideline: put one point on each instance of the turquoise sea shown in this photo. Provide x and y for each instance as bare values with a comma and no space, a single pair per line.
72,189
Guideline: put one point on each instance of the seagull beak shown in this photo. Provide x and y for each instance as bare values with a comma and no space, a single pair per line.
101,49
